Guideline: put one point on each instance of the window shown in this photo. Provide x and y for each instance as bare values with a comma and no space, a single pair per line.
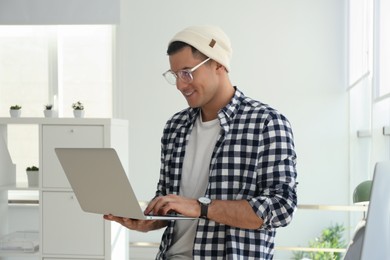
23,69
382,49
56,64
85,69
360,41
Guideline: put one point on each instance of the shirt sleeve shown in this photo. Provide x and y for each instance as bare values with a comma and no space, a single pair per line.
277,198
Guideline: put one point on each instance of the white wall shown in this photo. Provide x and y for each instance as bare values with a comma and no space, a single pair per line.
289,54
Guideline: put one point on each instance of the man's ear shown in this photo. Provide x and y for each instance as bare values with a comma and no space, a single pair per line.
220,67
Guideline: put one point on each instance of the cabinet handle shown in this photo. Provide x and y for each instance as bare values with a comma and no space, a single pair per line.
72,130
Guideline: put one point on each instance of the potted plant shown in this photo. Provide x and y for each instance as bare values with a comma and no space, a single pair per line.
331,237
32,176
48,112
78,109
15,111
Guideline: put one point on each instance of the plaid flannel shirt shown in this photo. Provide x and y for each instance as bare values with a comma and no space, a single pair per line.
253,160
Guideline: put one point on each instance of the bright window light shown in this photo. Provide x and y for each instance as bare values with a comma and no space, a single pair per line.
56,64
382,76
360,40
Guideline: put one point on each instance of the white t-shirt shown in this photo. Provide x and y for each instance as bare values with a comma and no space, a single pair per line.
194,181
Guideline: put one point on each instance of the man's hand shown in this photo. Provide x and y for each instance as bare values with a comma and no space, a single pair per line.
164,205
136,224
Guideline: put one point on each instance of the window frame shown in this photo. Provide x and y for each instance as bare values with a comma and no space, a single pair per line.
379,46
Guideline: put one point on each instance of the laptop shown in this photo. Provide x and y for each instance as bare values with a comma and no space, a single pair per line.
101,185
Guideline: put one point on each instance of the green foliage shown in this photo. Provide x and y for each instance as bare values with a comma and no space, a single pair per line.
331,237
15,107
48,106
78,106
32,168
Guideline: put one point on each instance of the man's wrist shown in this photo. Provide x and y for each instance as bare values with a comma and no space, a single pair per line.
204,203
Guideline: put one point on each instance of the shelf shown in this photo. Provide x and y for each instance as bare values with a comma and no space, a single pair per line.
15,254
18,186
23,203
334,207
61,121
311,249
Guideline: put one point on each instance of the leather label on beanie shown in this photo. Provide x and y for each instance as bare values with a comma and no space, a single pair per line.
212,43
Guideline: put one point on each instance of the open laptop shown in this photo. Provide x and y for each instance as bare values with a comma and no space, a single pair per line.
100,183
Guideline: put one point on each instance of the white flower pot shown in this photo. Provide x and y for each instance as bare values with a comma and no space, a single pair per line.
49,113
15,112
32,177
78,113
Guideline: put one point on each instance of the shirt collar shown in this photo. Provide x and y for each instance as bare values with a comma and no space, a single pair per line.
225,115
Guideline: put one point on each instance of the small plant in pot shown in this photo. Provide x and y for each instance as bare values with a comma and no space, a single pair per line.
48,112
78,109
15,110
32,176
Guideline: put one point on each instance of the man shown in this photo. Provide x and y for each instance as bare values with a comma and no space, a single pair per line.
227,159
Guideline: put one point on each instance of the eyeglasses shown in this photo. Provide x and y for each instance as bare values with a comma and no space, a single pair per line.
183,75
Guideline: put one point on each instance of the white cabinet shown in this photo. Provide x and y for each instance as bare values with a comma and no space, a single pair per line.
63,218
67,232
65,136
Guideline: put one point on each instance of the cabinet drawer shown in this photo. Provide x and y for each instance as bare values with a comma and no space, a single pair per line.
65,136
67,230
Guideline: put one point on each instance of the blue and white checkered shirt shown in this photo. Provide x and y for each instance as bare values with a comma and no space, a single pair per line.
253,160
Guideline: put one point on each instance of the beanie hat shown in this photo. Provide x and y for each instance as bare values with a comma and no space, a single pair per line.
209,40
